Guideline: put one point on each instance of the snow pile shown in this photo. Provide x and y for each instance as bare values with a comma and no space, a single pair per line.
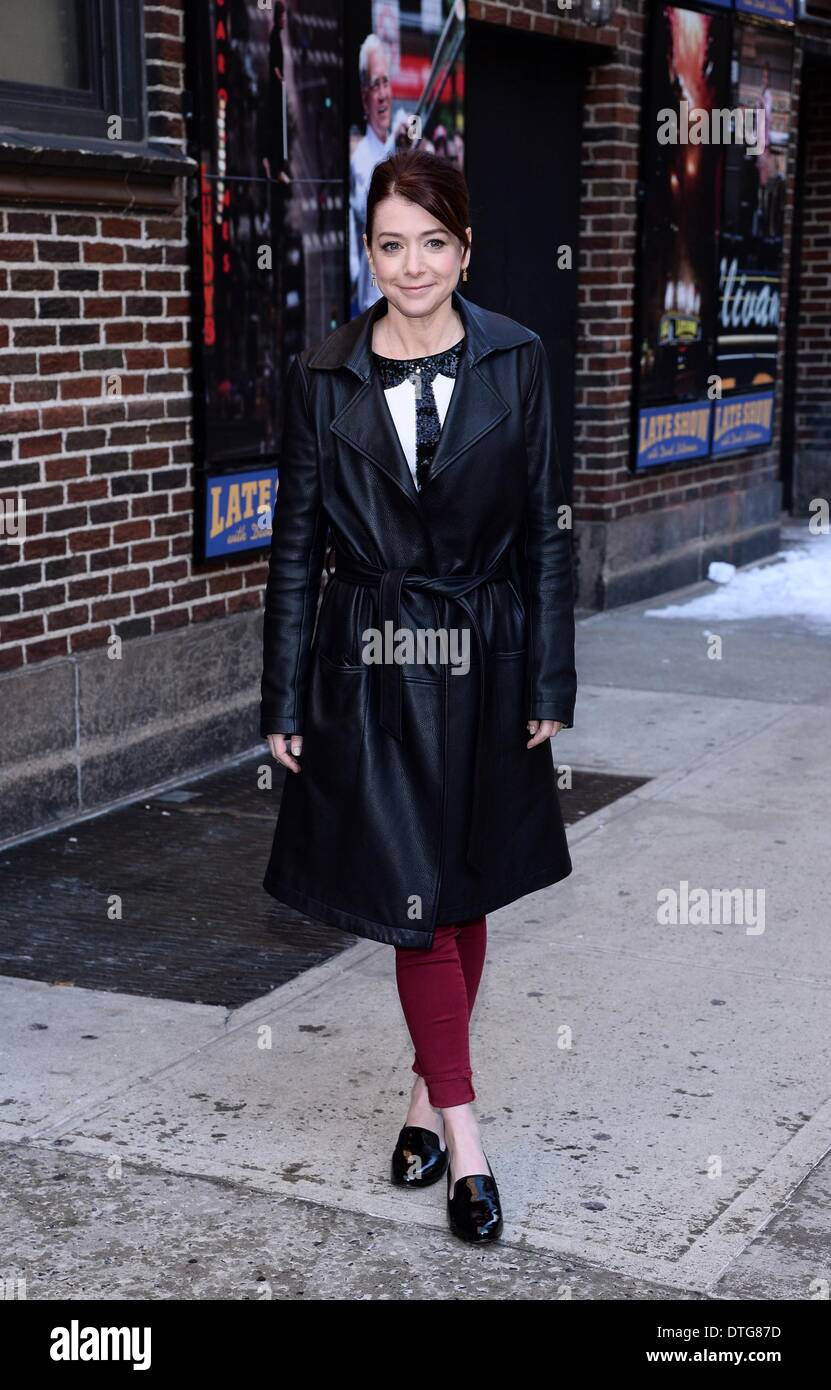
796,585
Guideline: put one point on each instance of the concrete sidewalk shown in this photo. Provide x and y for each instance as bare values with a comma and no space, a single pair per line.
655,1098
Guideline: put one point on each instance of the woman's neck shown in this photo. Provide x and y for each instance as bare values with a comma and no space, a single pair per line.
396,336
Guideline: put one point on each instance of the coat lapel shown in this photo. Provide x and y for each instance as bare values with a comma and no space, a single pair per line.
475,407
366,424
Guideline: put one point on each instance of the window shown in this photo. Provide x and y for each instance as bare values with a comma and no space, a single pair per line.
68,66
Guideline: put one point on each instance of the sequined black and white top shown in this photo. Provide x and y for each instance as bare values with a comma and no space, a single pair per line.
418,392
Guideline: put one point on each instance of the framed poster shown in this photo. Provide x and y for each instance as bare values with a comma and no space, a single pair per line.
753,232
267,234
712,230
405,84
688,85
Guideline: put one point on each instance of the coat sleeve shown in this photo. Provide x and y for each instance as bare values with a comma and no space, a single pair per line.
298,542
552,679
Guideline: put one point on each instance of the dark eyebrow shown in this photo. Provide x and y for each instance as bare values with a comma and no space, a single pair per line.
431,232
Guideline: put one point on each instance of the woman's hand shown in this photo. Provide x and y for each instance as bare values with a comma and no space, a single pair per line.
541,729
280,749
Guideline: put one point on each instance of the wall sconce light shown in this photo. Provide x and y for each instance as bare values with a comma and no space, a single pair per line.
597,12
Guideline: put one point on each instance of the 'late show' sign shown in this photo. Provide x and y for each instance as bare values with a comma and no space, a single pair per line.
238,510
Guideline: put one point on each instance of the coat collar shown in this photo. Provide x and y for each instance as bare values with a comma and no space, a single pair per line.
475,408
351,344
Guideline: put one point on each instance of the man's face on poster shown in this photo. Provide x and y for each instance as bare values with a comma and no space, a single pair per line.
377,95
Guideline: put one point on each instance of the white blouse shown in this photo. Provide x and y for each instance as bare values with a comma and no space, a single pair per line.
402,403
402,392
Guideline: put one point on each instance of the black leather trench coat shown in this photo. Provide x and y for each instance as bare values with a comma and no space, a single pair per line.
418,802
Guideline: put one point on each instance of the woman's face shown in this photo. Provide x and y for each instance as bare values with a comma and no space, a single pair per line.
416,261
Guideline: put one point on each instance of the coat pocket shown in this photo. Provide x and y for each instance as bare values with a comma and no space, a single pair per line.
333,663
509,677
334,730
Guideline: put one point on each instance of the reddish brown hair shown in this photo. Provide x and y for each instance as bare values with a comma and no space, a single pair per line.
426,179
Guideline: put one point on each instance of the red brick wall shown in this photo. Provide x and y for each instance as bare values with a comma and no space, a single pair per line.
107,481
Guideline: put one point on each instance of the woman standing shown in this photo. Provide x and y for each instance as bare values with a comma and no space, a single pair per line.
415,709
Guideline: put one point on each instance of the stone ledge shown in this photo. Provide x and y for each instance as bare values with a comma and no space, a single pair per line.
83,732
646,554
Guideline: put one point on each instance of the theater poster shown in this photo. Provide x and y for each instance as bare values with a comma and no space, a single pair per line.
267,229
405,85
751,245
688,81
709,287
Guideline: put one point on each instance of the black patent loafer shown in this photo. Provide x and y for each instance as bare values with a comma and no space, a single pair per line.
418,1158
474,1211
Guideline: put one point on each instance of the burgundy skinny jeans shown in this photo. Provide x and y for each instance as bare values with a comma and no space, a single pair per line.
437,989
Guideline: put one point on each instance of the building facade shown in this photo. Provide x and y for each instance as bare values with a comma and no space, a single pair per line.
127,657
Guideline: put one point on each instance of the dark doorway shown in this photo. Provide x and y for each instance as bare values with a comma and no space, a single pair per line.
523,128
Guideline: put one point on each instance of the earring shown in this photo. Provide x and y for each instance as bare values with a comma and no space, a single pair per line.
464,272
374,281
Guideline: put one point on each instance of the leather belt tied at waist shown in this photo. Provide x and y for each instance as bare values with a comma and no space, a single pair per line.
455,587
